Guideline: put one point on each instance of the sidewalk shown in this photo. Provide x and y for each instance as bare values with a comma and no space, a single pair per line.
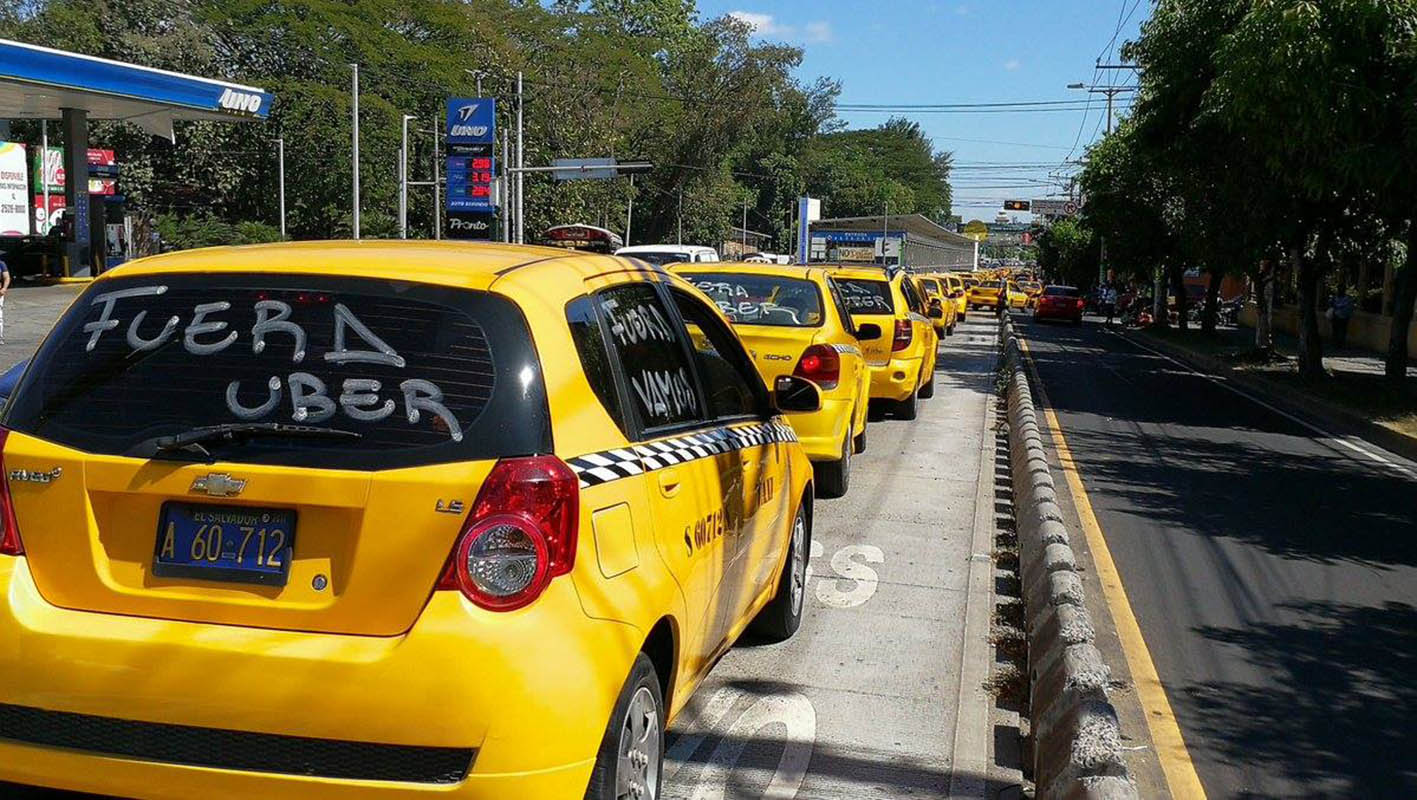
1356,396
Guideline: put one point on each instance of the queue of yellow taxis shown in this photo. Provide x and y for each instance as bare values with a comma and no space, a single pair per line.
370,519
933,287
1033,290
793,322
903,360
1016,296
958,293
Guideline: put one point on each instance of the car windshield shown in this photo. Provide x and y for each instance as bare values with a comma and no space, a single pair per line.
661,257
990,285
863,296
424,374
762,299
1060,291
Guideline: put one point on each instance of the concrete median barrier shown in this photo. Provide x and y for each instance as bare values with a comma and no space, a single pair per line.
1076,738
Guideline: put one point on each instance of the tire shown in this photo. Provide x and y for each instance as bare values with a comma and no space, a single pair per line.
964,316
950,331
641,761
834,477
909,408
927,390
858,443
780,618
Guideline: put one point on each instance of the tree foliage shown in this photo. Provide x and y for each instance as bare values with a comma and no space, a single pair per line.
720,113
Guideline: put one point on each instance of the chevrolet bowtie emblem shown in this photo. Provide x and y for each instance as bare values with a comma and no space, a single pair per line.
219,484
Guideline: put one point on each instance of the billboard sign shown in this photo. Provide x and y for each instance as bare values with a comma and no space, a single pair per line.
1055,208
471,125
14,190
470,184
103,171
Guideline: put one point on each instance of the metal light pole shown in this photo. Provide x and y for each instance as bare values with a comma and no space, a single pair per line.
680,238
354,94
403,179
280,180
506,191
437,178
745,229
521,155
630,210
44,171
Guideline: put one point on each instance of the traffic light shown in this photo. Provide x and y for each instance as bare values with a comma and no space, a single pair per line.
1015,205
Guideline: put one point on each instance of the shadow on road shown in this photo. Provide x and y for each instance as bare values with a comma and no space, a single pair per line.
1341,720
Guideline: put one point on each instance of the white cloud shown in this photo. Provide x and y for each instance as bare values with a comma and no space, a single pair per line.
766,25
1012,64
762,24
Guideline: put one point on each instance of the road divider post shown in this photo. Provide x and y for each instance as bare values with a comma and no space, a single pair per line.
1076,739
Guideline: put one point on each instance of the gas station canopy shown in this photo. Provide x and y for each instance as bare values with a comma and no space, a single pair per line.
38,82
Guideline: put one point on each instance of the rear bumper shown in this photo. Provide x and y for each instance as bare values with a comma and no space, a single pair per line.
822,432
1040,312
895,380
530,692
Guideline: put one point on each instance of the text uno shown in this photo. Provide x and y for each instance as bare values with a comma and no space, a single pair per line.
310,399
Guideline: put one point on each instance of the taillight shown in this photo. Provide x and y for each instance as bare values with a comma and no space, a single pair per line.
902,335
520,534
10,544
1081,302
820,364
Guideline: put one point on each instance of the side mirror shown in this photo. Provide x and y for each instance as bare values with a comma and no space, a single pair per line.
791,393
868,332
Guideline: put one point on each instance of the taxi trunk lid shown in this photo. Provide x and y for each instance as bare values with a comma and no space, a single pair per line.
340,535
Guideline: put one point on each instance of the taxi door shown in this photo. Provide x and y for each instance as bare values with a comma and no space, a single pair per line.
754,504
685,472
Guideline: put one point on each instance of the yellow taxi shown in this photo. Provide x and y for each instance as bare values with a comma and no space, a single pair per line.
1033,289
987,293
933,287
793,322
385,519
958,293
903,359
1016,296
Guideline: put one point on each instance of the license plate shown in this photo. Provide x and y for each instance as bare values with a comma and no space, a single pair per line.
224,543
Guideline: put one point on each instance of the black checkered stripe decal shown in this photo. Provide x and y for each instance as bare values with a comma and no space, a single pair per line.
594,469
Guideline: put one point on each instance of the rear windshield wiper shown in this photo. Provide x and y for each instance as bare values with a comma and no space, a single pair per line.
197,440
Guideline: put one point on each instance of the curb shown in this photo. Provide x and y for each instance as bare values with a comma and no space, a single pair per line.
1076,738
1280,396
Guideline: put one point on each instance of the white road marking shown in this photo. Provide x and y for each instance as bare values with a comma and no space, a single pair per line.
864,579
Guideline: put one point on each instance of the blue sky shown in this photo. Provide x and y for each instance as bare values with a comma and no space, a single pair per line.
963,51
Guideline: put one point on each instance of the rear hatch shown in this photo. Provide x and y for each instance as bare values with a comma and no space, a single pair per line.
149,478
871,300
776,316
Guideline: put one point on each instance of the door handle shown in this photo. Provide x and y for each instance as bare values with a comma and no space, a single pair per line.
669,482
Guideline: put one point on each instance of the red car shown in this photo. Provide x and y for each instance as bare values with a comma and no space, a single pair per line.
1059,302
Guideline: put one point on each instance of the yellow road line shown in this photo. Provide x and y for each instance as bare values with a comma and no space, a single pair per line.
1171,752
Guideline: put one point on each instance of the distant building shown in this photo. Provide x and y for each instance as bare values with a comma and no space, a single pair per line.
908,240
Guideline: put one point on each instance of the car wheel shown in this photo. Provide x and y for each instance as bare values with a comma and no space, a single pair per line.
834,477
927,390
908,408
779,619
631,756
963,317
950,331
858,443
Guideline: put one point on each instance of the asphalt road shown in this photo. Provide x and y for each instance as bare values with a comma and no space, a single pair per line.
861,703
1273,572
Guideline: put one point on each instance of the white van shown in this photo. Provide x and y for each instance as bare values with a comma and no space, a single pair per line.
662,254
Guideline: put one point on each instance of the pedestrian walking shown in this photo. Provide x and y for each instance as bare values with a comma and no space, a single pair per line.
1109,302
1340,312
4,289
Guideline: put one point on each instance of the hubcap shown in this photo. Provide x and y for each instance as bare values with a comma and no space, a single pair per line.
637,768
799,562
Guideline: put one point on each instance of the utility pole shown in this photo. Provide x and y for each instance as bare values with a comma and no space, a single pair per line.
354,95
437,179
630,210
679,239
1111,93
280,180
44,172
403,179
506,191
521,155
745,228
